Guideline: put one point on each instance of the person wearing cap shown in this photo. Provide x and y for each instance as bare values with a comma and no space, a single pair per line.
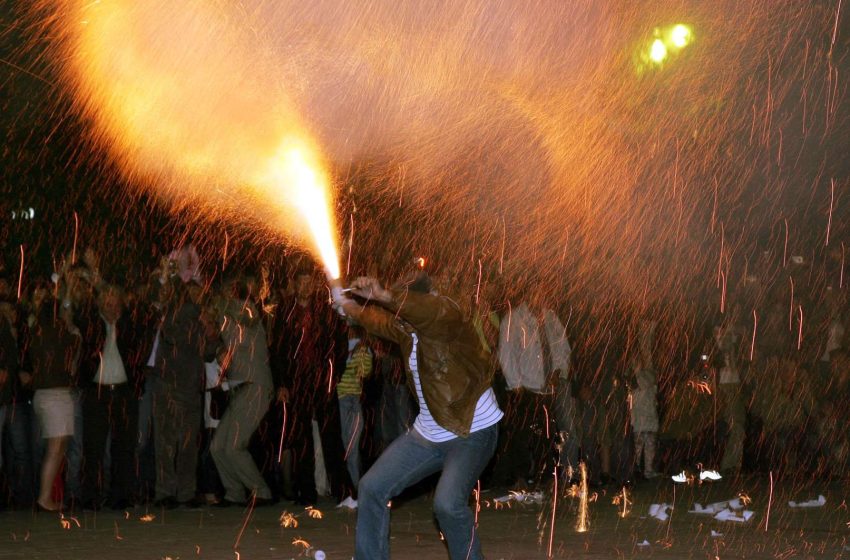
450,372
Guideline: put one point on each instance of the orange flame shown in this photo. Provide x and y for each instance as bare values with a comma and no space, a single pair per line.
178,95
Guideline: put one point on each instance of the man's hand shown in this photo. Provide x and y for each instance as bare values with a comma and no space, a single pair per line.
370,288
282,395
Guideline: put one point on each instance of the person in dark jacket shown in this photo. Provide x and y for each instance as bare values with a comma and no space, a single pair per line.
52,351
177,396
8,361
451,373
108,369
306,343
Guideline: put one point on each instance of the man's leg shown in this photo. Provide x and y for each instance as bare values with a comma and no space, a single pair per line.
188,447
2,425
144,444
351,419
95,407
230,445
735,415
165,444
565,418
124,417
300,428
464,462
74,452
409,459
23,462
333,452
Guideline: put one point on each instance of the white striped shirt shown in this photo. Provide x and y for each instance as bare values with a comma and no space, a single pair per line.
487,411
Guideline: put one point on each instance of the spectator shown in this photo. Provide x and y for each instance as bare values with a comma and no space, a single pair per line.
307,345
52,350
455,431
245,360
644,402
527,367
730,404
107,375
358,366
8,361
178,386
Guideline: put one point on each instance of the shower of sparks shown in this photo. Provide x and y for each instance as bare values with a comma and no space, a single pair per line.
623,500
188,105
583,520
667,155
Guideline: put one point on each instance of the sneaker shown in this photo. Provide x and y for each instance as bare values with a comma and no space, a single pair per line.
348,503
709,475
681,478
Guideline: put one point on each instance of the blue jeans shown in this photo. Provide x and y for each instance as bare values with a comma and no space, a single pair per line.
408,460
351,421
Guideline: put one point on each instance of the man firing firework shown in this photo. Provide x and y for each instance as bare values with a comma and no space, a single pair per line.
457,427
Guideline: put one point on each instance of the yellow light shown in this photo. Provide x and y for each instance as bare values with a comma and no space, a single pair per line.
658,52
680,35
296,172
166,107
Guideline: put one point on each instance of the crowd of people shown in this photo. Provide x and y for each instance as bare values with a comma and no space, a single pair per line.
187,391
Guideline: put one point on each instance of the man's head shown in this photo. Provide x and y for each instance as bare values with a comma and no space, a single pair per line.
79,284
5,286
110,301
40,292
304,284
8,311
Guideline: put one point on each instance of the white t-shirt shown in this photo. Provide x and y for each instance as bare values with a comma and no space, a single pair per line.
487,411
111,371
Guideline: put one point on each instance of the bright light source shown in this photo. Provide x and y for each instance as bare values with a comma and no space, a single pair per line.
32,213
680,35
658,52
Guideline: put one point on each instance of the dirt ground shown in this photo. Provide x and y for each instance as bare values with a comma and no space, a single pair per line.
521,531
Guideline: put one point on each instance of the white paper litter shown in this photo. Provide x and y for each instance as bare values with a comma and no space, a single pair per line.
522,497
715,534
821,500
659,511
729,515
644,543
717,507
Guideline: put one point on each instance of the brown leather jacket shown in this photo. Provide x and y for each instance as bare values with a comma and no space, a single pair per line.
454,367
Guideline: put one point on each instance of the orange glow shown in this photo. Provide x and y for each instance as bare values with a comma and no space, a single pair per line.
179,97
314,513
583,522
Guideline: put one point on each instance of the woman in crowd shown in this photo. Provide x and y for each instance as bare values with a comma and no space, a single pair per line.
52,351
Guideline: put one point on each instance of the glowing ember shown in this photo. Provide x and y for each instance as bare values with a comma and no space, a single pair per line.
287,520
301,542
313,513
147,518
624,501
582,523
